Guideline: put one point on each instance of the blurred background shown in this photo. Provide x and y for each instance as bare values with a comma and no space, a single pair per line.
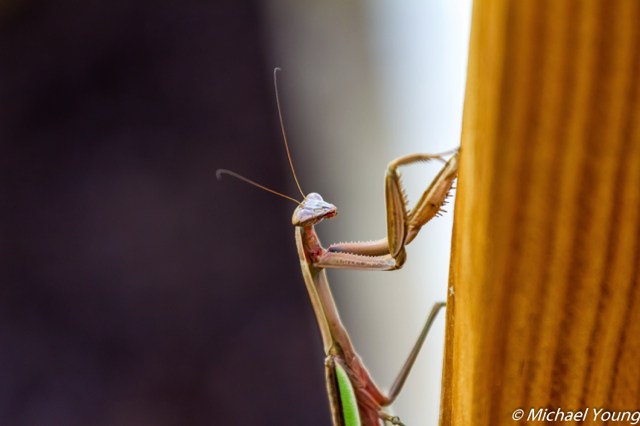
135,288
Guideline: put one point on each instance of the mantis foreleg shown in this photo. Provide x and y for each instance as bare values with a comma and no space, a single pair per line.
402,226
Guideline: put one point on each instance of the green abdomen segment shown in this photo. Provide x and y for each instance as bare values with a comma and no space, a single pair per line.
346,397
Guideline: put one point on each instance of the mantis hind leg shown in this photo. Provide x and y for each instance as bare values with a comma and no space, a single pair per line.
406,368
390,420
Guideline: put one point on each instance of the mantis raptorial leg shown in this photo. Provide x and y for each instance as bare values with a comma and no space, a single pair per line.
354,397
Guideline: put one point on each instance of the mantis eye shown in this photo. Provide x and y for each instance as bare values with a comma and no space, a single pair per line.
314,196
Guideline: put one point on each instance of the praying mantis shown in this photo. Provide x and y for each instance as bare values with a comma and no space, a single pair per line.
354,397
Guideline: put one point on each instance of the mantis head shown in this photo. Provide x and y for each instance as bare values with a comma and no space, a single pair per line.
312,210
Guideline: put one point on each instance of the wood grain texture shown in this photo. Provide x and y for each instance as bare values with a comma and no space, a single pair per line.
544,304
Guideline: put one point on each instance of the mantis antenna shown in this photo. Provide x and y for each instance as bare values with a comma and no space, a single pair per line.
275,83
219,173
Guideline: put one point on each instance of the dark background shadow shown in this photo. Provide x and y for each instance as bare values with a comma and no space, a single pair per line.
135,289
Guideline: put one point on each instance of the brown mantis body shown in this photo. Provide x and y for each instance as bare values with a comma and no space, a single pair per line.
383,255
350,388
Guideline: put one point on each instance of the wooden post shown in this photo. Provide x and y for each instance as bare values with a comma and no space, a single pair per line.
544,300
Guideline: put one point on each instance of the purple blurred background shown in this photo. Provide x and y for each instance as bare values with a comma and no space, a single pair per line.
135,289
